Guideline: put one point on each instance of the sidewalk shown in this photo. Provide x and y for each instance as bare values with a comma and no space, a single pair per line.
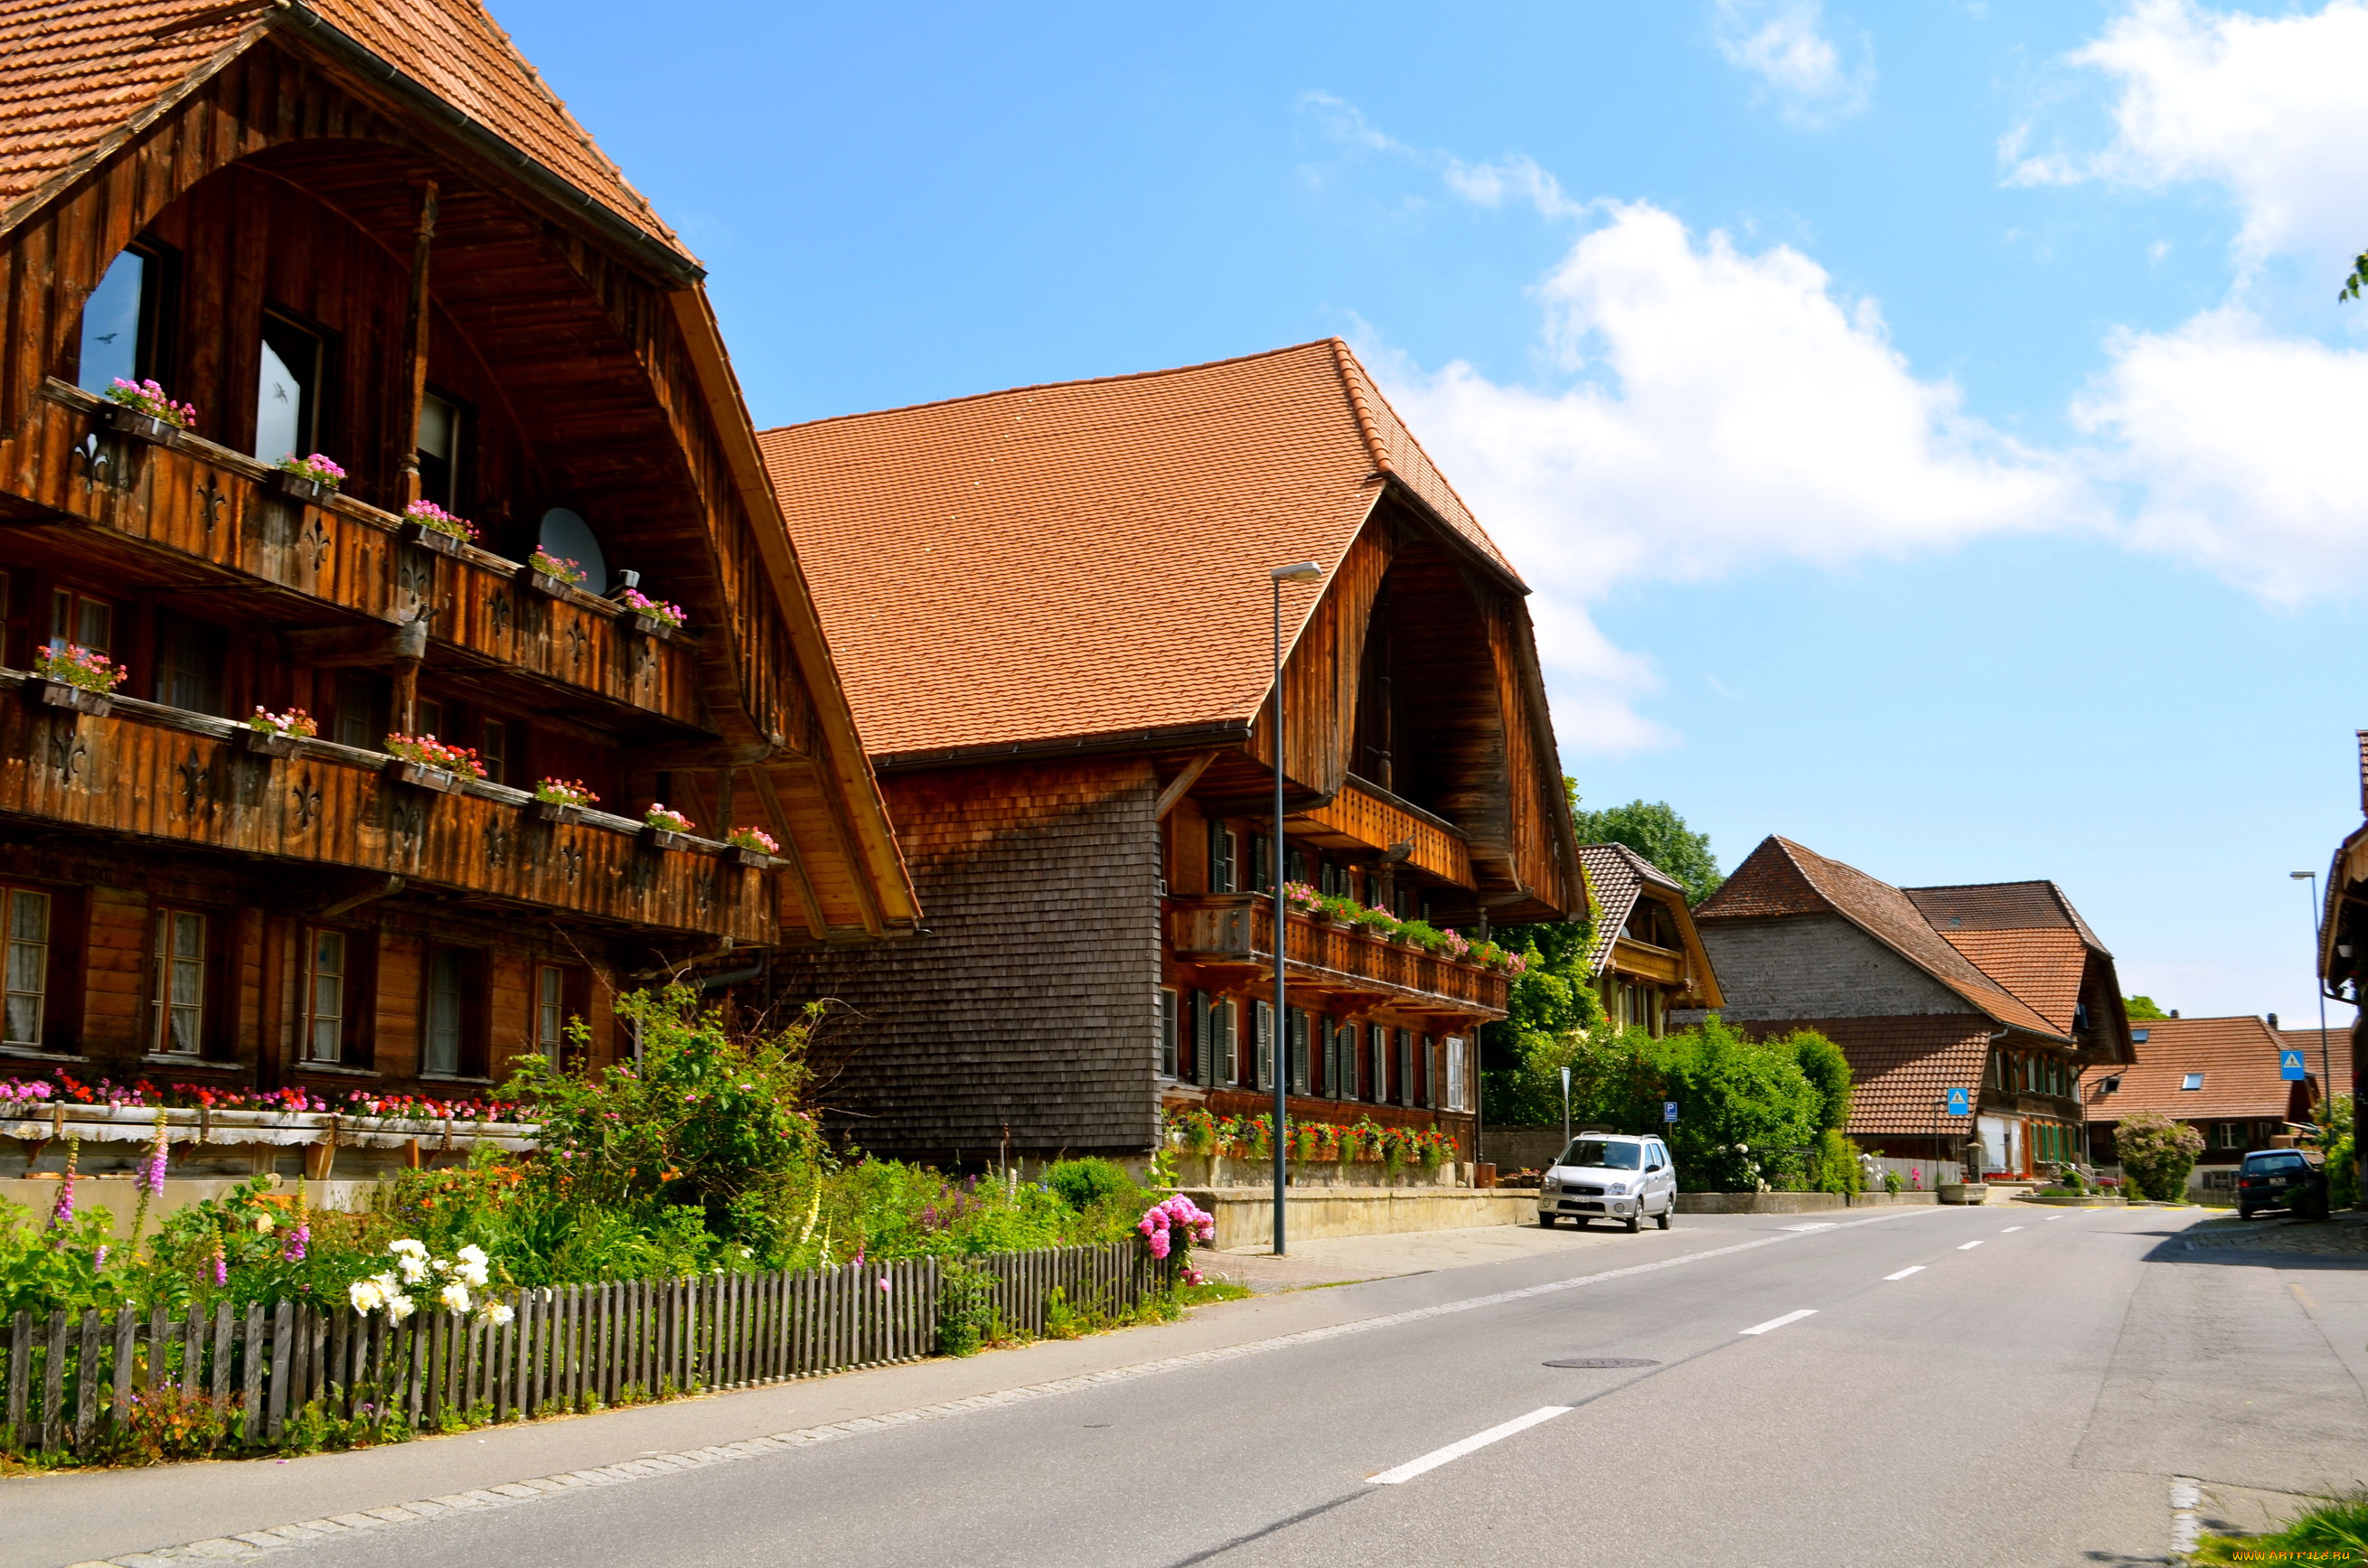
79,1515
1340,1260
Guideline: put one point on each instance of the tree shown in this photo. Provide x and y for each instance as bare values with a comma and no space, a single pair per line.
2157,1153
1655,830
1746,1110
1551,1009
2141,1009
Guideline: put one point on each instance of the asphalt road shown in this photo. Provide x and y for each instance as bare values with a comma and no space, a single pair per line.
1929,1386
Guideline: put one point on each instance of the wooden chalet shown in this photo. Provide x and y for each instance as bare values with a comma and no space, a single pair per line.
367,229
1051,609
1647,958
1999,989
2343,958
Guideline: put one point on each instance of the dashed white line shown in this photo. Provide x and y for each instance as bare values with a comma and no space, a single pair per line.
1478,1441
1913,1268
2009,1230
1813,1225
1779,1322
1969,1246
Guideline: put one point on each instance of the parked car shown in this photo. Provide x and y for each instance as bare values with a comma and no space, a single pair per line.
1612,1176
2280,1178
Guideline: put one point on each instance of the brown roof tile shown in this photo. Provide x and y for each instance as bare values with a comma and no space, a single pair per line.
2043,967
1087,558
2339,1053
2239,1059
74,72
1783,878
1616,874
1901,1068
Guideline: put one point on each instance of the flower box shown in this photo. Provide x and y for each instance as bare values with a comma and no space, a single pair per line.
77,698
420,776
268,743
297,488
432,539
557,811
648,626
125,420
740,855
664,838
543,582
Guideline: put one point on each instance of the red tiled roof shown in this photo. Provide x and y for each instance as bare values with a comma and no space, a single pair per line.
1616,874
72,72
1901,1068
2043,967
2239,1059
1783,878
1087,558
2339,1053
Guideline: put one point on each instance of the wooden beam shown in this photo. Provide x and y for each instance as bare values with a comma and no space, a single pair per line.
378,645
1176,787
415,370
817,924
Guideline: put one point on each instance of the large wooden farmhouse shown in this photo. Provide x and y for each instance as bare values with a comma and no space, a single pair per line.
1051,609
366,229
1999,990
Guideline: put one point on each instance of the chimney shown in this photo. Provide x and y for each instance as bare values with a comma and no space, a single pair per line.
2274,1023
2174,1012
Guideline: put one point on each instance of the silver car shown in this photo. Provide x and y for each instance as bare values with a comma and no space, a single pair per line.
1611,1176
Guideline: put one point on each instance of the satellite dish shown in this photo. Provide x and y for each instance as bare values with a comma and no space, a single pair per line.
570,537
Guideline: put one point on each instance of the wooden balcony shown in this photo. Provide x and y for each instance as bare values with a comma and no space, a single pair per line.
222,513
161,775
1351,968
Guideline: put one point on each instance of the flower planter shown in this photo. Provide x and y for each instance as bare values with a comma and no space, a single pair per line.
296,487
543,582
754,859
432,539
125,420
76,698
664,838
649,626
559,811
420,776
268,743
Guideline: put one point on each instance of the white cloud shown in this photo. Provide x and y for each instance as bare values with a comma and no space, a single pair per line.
1783,42
2241,445
2268,108
1727,409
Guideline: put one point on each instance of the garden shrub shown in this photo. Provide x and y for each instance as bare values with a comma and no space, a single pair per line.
1743,1105
1828,1071
2157,1153
1833,1162
1084,1183
965,1309
2343,1154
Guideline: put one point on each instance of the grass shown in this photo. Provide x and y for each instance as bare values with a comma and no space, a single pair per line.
2334,1529
1211,1290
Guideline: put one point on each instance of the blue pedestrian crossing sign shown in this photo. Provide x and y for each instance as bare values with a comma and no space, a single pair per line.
1961,1102
2290,1067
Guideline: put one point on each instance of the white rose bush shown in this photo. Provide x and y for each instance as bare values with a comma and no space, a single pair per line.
457,1284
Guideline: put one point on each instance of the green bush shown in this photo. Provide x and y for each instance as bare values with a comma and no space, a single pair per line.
2157,1153
1743,1105
1823,1063
1834,1162
2341,1134
1083,1184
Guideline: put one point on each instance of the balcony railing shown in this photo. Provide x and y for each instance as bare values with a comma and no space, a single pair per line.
1238,929
189,495
163,774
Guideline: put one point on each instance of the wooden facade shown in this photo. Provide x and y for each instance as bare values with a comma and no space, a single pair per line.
1648,959
311,241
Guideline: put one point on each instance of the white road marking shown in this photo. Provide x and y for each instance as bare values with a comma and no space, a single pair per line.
2009,1230
1913,1268
1817,1225
1478,1441
1969,1246
1779,1322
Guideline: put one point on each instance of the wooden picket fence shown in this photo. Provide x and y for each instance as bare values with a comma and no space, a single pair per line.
70,1379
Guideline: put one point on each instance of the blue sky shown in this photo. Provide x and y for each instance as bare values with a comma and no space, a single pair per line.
1927,426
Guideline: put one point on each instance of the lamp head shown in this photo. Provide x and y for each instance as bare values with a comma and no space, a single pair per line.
1299,571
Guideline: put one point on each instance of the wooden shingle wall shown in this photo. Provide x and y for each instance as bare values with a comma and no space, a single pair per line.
1817,966
1027,999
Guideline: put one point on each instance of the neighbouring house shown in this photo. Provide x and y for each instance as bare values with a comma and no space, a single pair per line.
1999,989
2326,1055
2219,1075
1647,958
1051,609
371,231
2343,945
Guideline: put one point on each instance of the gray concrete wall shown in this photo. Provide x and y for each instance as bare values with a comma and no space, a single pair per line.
1816,966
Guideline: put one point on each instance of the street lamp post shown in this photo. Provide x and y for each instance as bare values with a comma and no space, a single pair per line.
2317,954
1279,1036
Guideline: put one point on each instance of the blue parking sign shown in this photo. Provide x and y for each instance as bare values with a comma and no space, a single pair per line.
1961,1102
1669,1110
2290,1067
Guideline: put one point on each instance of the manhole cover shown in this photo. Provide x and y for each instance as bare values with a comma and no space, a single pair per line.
1602,1361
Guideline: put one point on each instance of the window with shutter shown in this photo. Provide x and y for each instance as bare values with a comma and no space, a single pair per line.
1377,1086
1262,1036
1261,866
1204,1039
1227,1016
1406,1068
1164,1007
1422,1071
1224,872
1455,1072
1299,1062
1295,862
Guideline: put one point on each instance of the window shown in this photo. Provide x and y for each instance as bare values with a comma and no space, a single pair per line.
28,964
1223,859
356,718
1401,904
1406,1067
452,1033
1327,878
79,620
2229,1135
1226,1039
549,1011
1336,1053
2193,1081
1261,868
1377,1087
1423,1071
427,719
1204,1039
189,667
1295,864
123,321
443,429
1300,1023
1165,1005
1455,1072
326,996
180,995
1262,1044
494,751
287,390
